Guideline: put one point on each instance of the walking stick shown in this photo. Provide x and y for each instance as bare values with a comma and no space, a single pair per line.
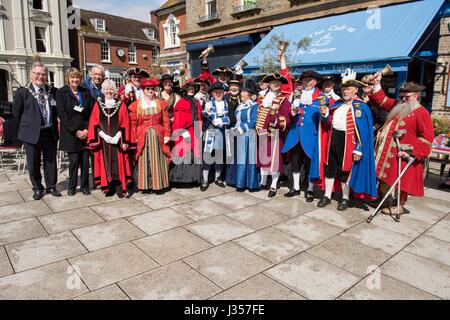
397,215
410,161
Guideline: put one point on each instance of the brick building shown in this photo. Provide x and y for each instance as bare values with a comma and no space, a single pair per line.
116,43
235,27
171,21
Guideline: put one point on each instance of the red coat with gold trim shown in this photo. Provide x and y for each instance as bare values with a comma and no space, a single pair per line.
419,136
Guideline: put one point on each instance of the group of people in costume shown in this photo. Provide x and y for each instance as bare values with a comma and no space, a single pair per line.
220,127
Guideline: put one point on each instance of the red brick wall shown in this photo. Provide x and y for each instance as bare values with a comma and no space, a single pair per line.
93,54
179,14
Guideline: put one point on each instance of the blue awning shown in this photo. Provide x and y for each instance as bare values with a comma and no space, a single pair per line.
364,40
218,42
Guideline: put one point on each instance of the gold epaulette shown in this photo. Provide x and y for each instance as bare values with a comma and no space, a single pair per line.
261,119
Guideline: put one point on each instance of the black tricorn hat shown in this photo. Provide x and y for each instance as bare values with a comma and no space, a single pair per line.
222,70
328,77
411,87
202,80
204,65
217,86
275,76
261,77
138,72
250,86
235,78
310,74
166,76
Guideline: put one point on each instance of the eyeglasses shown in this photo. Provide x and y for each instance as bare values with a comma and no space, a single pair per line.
407,96
43,75
150,89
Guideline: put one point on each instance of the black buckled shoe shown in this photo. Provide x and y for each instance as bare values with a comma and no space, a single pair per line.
220,183
38,195
292,192
343,205
204,186
323,202
86,191
264,187
240,190
54,192
309,196
71,192
272,193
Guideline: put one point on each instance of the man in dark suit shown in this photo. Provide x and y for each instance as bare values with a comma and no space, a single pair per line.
35,110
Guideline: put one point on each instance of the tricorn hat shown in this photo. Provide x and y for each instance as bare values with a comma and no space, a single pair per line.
192,82
275,77
201,79
166,76
138,72
204,65
328,77
310,74
222,70
411,87
250,86
235,78
217,86
352,83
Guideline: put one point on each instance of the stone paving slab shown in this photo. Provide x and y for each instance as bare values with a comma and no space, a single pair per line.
200,209
66,203
313,278
11,197
259,287
197,194
389,289
14,185
49,282
176,281
290,208
4,177
5,266
420,273
120,209
112,292
431,248
378,238
342,220
16,212
173,245
437,194
235,200
69,220
228,264
21,230
159,221
99,195
351,256
440,231
157,202
105,267
27,195
273,245
257,217
45,250
420,210
107,234
308,229
408,227
218,230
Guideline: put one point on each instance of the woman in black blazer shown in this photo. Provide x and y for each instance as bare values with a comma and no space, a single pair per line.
74,105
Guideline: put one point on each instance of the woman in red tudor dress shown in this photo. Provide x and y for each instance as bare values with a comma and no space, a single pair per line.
109,139
411,118
187,129
150,126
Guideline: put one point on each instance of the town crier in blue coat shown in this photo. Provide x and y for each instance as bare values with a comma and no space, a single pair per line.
301,139
345,147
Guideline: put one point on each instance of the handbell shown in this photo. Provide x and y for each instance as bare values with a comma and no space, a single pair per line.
206,51
386,71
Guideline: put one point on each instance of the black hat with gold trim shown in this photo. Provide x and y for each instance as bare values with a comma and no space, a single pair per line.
275,77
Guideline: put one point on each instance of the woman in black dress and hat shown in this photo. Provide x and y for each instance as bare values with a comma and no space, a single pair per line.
168,93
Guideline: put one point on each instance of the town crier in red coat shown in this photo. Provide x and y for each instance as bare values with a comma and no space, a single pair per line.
414,121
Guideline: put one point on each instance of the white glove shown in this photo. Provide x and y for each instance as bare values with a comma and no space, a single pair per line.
128,88
105,137
166,140
116,138
217,122
240,131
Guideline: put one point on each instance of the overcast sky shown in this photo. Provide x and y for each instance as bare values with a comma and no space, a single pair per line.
135,9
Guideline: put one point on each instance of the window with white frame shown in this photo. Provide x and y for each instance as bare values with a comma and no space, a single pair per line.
150,33
211,8
171,31
132,56
155,54
117,78
100,25
105,51
41,39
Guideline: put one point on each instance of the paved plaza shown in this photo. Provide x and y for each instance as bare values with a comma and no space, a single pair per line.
219,244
